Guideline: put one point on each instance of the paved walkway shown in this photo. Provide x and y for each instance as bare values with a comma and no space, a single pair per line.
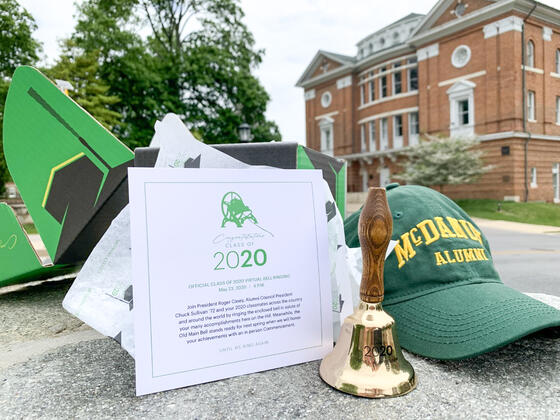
517,227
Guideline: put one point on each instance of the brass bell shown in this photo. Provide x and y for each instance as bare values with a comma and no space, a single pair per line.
367,360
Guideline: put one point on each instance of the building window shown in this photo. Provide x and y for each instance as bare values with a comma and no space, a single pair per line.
412,75
531,114
530,54
363,137
461,108
461,56
362,94
413,129
558,61
326,99
460,9
365,178
397,80
533,177
371,91
327,141
505,150
558,110
383,83
397,132
384,177
384,135
12,193
372,136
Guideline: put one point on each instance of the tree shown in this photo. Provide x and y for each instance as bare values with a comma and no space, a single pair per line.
196,62
81,69
439,161
17,47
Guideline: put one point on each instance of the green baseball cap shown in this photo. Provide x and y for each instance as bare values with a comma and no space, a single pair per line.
441,286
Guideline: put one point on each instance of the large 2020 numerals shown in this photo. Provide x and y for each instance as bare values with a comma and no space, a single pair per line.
232,259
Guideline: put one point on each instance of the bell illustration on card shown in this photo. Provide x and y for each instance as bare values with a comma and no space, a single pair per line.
367,360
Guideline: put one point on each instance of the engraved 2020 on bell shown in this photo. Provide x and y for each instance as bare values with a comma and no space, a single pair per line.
367,360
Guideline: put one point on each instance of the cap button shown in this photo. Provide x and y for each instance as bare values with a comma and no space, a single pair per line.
392,185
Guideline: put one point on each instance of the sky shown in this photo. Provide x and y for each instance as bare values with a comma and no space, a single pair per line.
290,32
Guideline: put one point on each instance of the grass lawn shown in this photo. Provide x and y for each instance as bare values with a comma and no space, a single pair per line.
533,213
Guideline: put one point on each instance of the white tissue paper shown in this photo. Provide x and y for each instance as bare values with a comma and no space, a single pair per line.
102,294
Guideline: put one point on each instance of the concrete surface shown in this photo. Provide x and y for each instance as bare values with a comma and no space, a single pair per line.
95,379
53,366
516,227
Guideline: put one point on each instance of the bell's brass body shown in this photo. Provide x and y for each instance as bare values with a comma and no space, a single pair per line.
367,360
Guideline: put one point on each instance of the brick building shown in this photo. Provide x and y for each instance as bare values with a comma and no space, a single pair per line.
483,68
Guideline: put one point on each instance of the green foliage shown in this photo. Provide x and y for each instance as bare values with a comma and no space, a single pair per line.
439,161
195,62
533,213
17,47
81,69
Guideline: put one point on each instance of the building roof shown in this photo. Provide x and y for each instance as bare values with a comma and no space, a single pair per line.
343,59
410,16
423,33
346,61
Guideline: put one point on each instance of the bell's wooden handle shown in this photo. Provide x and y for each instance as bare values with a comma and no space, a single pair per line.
375,228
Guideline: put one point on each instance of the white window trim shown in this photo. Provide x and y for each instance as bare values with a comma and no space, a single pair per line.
397,139
408,88
388,114
388,63
325,124
362,94
395,83
557,110
386,171
534,177
388,98
454,56
381,88
460,91
370,96
372,143
413,138
465,77
530,59
532,69
531,111
384,134
386,72
326,99
365,178
363,143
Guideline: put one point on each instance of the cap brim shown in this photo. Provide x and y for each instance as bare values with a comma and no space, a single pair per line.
468,320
